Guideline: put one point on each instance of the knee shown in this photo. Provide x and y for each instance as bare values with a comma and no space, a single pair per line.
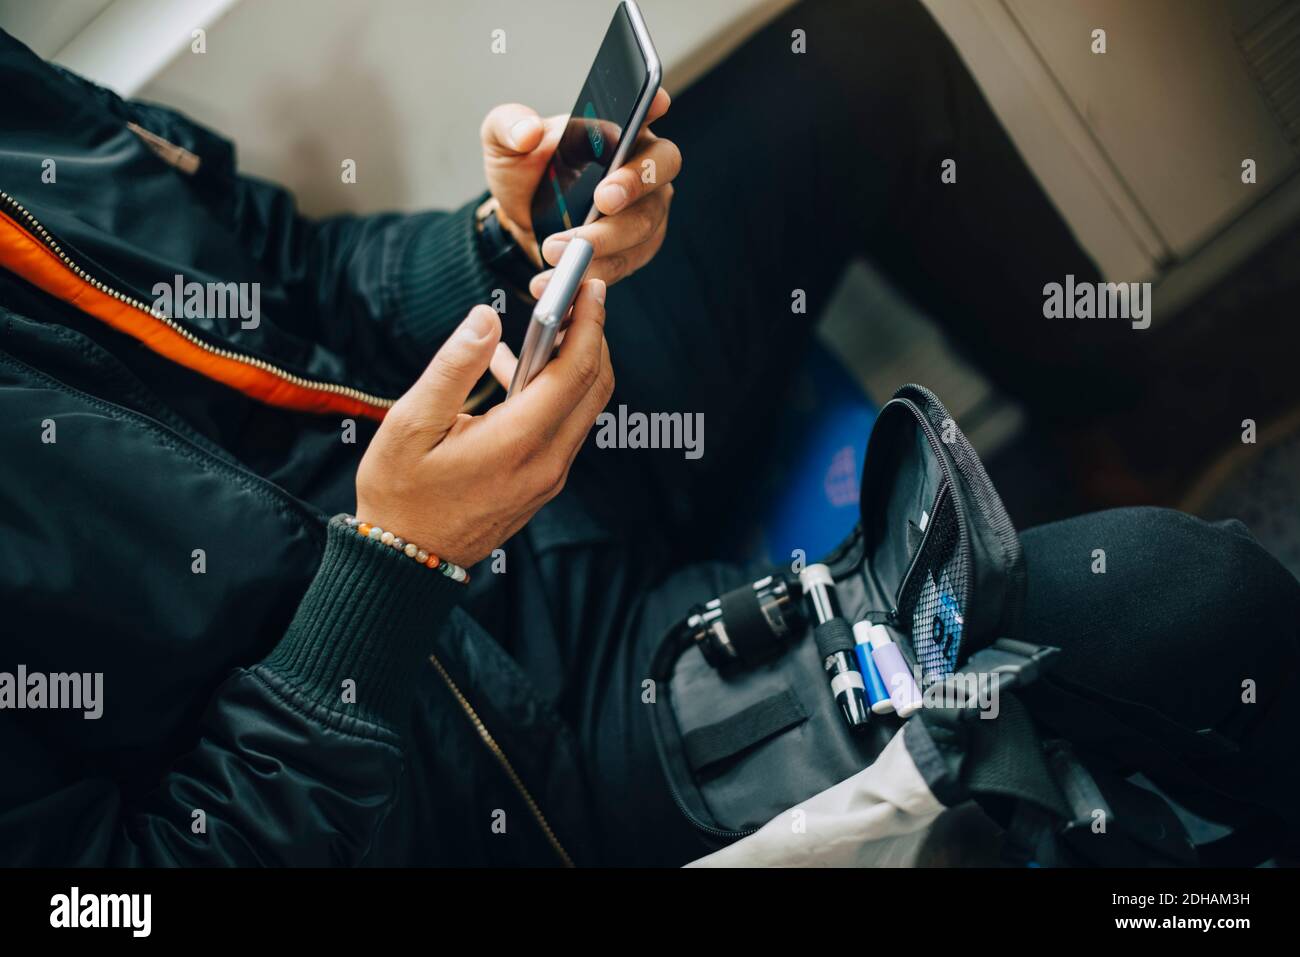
1240,599
1239,573
1156,605
1220,565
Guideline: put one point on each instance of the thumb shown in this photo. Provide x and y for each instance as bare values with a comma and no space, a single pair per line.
510,130
431,406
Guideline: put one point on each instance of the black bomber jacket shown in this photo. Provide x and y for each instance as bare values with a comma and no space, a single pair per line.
198,666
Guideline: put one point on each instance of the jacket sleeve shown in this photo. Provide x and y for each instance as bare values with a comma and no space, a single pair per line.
381,289
287,768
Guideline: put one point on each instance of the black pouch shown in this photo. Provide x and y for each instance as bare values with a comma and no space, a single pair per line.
934,555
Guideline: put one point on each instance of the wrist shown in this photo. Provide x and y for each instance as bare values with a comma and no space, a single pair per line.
412,550
362,629
509,249
523,238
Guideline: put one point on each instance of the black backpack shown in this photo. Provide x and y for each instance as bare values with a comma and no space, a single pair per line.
1071,775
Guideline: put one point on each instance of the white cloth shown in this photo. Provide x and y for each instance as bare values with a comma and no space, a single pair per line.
878,818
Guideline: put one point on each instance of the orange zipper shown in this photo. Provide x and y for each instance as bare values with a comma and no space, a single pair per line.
28,250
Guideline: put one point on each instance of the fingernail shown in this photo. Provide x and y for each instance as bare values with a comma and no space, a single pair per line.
615,196
521,129
598,290
537,285
479,322
553,249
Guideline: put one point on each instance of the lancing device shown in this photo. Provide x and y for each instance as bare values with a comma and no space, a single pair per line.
877,693
835,645
550,312
895,672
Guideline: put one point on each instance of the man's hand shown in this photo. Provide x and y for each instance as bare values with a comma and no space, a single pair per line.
460,485
517,144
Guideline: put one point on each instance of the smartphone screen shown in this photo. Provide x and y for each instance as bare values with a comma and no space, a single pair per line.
618,81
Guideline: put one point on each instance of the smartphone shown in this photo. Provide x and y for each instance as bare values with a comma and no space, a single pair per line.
602,127
549,314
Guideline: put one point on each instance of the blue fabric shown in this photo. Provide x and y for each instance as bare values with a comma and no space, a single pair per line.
808,498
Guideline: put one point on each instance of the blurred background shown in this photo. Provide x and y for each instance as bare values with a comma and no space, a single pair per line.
1141,150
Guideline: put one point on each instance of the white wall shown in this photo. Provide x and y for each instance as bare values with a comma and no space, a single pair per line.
399,86
1138,148
48,27
1141,147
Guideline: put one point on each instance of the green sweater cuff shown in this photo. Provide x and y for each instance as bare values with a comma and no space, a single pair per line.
370,618
441,276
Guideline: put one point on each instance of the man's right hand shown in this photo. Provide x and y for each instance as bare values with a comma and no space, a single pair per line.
459,485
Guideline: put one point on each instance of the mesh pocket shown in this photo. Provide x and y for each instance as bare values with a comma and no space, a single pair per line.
935,596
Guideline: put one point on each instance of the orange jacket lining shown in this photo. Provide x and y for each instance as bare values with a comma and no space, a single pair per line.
23,254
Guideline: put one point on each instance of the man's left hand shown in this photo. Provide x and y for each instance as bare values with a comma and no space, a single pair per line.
633,199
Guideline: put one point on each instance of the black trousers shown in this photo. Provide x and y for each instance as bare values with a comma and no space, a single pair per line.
793,164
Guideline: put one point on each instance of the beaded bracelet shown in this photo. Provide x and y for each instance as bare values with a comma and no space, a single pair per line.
409,549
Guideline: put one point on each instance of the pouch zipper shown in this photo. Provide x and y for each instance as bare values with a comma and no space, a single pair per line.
34,227
978,476
717,832
491,743
697,823
939,499
933,439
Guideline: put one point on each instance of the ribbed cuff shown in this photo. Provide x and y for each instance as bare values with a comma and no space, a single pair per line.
441,276
370,615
